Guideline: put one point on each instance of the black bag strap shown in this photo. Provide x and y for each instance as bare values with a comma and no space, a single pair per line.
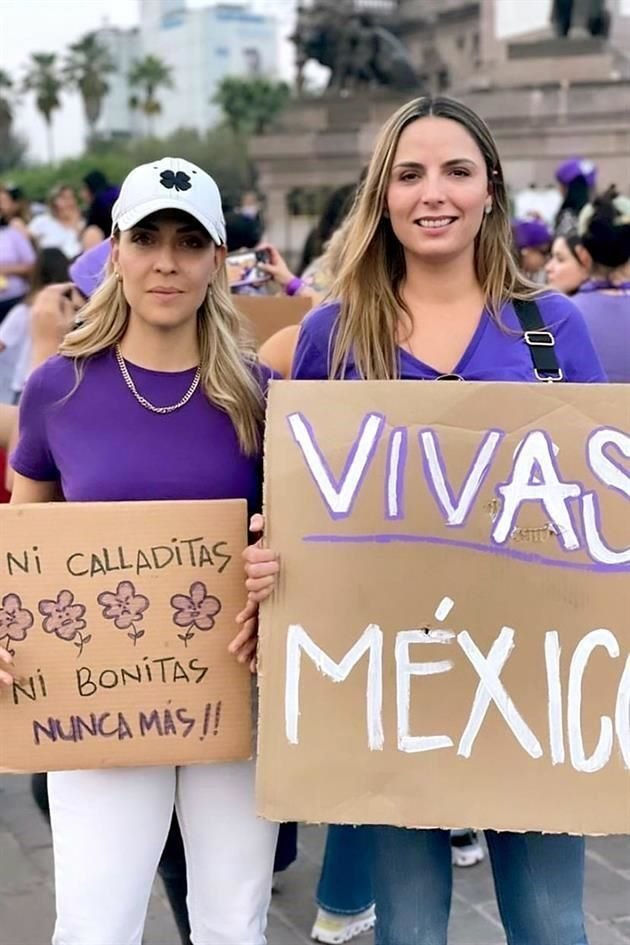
540,341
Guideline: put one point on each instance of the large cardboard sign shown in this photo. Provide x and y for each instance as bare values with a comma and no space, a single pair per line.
119,616
268,314
449,641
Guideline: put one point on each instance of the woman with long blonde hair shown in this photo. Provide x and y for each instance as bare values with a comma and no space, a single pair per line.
158,395
428,289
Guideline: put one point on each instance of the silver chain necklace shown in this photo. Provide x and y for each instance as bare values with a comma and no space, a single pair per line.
146,403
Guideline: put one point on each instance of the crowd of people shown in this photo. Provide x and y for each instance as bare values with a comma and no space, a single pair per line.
418,270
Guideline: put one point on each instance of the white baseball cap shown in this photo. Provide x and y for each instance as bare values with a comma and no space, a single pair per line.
170,184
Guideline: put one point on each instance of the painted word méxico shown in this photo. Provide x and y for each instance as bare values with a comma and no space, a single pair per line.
489,690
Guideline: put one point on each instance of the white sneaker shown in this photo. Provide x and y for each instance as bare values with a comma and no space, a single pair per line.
334,929
466,849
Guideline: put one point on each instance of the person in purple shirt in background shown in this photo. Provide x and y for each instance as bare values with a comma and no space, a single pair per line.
89,269
604,299
152,417
428,290
17,258
100,197
576,179
533,240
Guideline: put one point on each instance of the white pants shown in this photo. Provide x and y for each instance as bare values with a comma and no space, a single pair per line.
109,829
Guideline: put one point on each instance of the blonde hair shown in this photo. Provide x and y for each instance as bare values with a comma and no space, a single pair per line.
227,354
371,267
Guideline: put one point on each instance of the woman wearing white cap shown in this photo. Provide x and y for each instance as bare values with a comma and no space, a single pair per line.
161,358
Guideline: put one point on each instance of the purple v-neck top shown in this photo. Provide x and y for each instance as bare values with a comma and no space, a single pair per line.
495,352
103,446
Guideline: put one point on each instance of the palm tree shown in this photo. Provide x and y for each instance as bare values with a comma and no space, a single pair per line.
12,147
87,64
148,75
44,80
6,108
251,104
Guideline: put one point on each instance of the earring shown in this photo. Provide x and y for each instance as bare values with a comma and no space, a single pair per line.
487,209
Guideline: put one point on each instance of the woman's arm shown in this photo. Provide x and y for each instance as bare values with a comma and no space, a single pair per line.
278,350
8,420
32,490
91,236
52,316
8,438
17,269
288,282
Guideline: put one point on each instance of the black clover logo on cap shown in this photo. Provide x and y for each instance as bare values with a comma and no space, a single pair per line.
179,181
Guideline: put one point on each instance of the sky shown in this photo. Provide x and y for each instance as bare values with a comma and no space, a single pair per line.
29,26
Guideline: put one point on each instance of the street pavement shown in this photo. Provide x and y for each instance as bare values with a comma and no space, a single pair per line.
27,910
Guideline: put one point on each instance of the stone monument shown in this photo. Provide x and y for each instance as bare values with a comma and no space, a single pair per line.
359,52
591,15
323,141
559,88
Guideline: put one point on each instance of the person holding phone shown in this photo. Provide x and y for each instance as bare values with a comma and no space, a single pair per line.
161,375
428,290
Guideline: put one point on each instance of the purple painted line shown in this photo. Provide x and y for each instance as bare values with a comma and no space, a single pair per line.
528,557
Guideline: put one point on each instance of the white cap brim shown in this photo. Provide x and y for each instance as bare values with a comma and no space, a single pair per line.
128,220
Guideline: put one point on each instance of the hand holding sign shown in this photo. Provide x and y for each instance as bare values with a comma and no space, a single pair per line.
261,564
245,643
5,659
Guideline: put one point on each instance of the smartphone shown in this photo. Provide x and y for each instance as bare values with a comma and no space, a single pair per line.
243,269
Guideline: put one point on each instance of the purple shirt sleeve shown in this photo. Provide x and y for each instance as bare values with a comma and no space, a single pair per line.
24,252
312,353
32,456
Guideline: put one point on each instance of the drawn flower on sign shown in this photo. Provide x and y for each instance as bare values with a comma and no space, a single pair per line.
195,609
64,618
15,621
125,608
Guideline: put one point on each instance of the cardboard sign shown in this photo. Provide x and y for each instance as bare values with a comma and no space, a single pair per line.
449,642
119,616
269,313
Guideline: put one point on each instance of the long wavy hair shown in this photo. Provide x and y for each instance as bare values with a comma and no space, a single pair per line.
372,267
227,353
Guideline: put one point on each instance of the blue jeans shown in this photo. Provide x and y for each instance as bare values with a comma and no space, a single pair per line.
538,878
345,882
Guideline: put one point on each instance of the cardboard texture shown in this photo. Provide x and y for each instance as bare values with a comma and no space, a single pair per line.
119,616
448,644
269,313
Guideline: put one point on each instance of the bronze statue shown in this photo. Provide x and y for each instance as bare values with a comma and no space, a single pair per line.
358,51
592,15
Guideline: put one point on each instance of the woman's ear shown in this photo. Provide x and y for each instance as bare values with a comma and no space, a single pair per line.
584,256
115,255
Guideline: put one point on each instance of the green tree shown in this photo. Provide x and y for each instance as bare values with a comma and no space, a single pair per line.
87,65
44,79
6,106
12,147
148,75
251,105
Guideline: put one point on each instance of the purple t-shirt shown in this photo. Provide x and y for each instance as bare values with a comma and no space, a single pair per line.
607,318
103,446
495,353
15,248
